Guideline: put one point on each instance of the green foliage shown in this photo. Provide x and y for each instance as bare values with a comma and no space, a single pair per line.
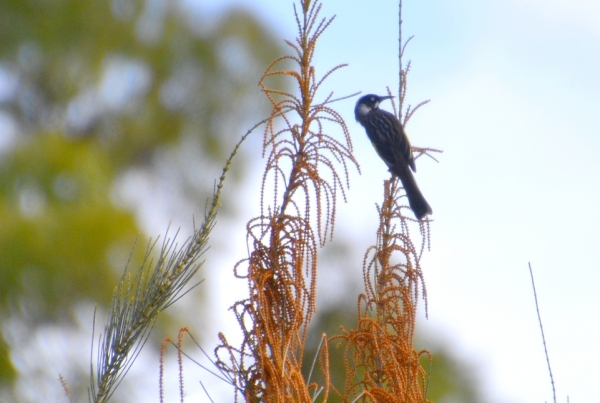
133,77
7,372
99,88
58,224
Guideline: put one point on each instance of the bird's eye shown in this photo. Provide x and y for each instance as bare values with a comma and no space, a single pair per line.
372,99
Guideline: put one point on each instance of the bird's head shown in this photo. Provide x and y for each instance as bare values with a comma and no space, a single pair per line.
367,103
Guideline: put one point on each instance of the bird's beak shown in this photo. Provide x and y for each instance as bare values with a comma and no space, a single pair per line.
386,97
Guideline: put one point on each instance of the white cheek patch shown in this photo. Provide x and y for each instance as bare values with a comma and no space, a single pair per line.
363,110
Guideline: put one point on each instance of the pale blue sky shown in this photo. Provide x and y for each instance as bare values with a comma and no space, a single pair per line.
516,108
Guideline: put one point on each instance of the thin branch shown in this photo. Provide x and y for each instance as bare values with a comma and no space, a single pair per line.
542,329
400,53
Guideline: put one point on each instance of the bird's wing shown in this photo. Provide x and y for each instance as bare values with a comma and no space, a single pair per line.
389,139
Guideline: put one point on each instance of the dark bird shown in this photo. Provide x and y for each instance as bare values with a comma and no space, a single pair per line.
391,143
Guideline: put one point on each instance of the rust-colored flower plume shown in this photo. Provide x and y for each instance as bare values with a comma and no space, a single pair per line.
298,203
381,364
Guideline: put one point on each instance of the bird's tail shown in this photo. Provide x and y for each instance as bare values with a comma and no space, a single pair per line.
416,200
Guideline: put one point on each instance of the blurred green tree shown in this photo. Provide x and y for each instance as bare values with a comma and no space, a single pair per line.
89,91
